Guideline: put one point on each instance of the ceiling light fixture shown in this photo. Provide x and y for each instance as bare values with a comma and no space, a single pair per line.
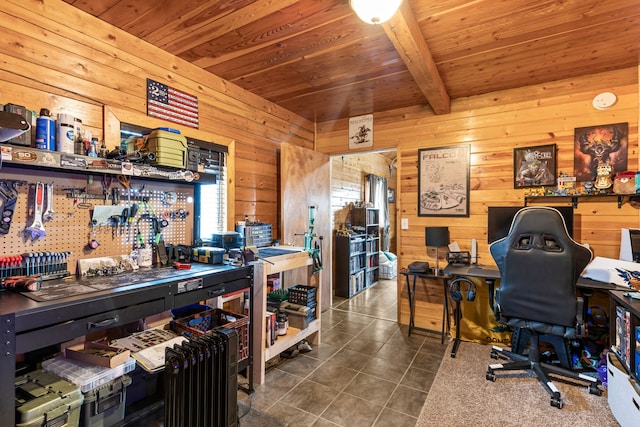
375,11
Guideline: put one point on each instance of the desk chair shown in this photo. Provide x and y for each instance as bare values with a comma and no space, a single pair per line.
539,266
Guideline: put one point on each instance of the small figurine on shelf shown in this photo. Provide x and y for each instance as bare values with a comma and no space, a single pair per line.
568,183
588,187
603,178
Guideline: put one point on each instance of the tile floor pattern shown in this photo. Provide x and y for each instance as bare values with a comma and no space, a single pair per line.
365,372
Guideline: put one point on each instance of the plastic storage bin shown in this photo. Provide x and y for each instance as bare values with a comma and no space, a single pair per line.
104,405
44,399
144,385
389,269
86,376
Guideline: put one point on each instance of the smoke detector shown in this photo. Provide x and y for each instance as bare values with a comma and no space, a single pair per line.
604,100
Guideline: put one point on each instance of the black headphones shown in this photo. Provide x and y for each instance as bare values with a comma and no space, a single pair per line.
456,292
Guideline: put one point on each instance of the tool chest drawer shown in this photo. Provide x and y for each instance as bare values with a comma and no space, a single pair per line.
66,331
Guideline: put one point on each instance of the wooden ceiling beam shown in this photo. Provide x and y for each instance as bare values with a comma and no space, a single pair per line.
404,32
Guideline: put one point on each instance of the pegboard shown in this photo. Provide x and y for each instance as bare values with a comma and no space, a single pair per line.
71,229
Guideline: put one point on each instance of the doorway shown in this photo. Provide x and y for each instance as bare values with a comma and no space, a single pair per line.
348,188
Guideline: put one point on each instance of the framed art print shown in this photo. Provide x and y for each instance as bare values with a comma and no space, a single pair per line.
534,166
443,181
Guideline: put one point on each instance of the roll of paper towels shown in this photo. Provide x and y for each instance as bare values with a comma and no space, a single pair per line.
474,251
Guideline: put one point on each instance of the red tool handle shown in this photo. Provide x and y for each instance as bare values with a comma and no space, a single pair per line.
39,194
22,283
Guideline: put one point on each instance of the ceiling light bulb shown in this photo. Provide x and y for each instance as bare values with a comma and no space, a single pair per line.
375,11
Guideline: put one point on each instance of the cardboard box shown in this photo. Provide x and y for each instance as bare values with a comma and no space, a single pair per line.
98,354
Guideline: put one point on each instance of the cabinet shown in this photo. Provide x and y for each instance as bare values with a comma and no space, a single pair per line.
295,266
624,327
624,368
368,220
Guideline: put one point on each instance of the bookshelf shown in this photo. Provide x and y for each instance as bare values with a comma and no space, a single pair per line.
624,358
357,254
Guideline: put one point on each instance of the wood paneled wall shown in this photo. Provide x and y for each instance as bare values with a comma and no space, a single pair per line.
55,56
493,125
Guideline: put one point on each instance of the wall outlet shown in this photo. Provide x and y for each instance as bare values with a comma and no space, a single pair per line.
404,223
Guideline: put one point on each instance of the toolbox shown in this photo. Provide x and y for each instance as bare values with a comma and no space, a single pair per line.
208,255
44,399
104,405
170,148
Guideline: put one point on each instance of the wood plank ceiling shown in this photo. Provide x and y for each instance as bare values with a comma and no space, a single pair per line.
317,59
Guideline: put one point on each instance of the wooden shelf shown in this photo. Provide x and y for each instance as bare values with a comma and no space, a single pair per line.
292,337
76,163
295,268
586,197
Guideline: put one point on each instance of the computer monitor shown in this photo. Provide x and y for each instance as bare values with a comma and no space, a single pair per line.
630,244
499,220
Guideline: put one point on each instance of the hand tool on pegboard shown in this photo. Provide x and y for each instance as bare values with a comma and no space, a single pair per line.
133,211
49,213
106,186
37,228
8,198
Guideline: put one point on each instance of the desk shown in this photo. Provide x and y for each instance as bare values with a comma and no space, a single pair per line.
491,273
411,290
29,325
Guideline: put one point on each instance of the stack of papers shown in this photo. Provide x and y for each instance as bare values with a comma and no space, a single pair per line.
147,347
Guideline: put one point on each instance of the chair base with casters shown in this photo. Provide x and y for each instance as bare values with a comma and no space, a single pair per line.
561,345
541,370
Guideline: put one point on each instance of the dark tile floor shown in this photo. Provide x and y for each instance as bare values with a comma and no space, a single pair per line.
365,372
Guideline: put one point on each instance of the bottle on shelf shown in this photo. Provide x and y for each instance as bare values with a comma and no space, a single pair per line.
65,141
45,131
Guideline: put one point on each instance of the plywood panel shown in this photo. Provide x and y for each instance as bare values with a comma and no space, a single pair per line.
305,181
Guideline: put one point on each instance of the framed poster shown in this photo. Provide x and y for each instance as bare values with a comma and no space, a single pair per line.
534,166
595,145
361,132
443,181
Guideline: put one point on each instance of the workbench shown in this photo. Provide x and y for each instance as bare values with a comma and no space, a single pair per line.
29,325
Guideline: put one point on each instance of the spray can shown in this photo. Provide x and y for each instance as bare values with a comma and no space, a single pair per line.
65,139
45,131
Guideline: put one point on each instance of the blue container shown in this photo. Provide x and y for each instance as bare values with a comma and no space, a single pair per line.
45,131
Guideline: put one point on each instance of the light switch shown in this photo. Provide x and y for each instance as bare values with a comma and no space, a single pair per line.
405,223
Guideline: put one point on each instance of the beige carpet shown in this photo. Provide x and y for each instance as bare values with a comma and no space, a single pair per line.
461,396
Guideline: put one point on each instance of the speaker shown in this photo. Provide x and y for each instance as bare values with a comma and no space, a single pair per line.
458,291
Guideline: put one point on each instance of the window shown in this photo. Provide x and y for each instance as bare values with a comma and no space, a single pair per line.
211,200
